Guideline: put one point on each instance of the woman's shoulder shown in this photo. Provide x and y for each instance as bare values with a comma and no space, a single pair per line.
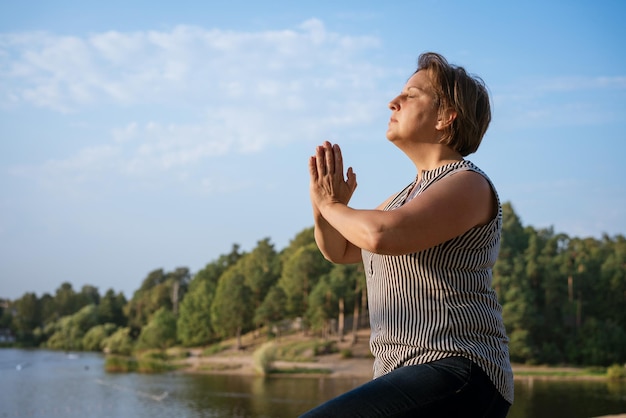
466,165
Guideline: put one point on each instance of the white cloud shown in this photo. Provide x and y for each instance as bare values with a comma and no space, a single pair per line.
184,64
210,92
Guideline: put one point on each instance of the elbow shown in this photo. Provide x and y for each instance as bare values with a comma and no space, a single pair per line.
374,241
385,241
332,254
328,256
332,259
335,259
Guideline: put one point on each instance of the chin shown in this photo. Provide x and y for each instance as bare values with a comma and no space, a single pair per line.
391,137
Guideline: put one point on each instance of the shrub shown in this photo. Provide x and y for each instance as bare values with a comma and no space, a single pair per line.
264,357
119,342
160,332
95,337
117,364
616,371
151,365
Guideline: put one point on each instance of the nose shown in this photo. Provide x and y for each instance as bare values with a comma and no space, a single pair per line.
394,104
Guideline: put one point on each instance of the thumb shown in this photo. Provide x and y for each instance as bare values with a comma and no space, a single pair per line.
351,179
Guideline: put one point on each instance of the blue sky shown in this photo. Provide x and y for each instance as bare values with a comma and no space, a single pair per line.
144,135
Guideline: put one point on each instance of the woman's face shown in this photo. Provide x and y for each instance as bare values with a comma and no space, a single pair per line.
414,113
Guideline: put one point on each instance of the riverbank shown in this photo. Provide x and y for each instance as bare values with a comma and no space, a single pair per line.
347,360
298,357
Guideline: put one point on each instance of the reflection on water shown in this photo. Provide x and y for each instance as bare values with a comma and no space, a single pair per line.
568,398
260,397
41,383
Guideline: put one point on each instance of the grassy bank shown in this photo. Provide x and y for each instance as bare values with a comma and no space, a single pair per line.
615,372
150,361
299,354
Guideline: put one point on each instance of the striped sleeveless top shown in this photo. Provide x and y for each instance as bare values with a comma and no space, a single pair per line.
439,302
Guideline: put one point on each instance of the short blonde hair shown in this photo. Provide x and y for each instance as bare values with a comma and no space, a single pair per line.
466,94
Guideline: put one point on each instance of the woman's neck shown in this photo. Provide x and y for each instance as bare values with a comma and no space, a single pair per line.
430,156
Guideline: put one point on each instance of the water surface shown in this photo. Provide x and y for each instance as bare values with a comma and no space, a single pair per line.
41,384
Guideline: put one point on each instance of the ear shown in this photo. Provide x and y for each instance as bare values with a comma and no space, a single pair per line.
445,118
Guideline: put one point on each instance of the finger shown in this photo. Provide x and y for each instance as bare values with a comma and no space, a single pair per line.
330,158
320,161
313,168
338,159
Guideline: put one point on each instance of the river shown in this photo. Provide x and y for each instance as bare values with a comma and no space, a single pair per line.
42,384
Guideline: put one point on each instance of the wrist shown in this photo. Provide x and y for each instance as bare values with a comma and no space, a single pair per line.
326,206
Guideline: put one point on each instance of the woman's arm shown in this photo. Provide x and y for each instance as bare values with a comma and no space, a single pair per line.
445,210
332,244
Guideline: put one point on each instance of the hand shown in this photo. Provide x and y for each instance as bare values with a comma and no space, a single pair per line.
327,184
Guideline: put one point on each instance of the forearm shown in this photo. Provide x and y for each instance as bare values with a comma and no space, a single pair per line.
334,246
356,227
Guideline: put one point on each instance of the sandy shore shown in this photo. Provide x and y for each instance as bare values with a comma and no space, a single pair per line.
332,365
241,362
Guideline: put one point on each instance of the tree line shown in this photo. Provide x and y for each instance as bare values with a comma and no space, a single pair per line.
563,300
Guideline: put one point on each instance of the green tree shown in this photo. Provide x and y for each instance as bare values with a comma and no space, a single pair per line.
160,332
554,300
68,331
65,300
510,280
95,337
26,318
6,318
321,307
301,272
332,296
88,295
601,343
360,301
613,276
158,290
61,335
120,342
512,246
302,239
272,310
261,269
232,309
195,319
343,279
111,308
49,311
179,281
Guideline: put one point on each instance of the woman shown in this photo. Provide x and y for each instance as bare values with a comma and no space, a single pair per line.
437,334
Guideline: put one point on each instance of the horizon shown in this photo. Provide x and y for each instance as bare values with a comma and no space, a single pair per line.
243,251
